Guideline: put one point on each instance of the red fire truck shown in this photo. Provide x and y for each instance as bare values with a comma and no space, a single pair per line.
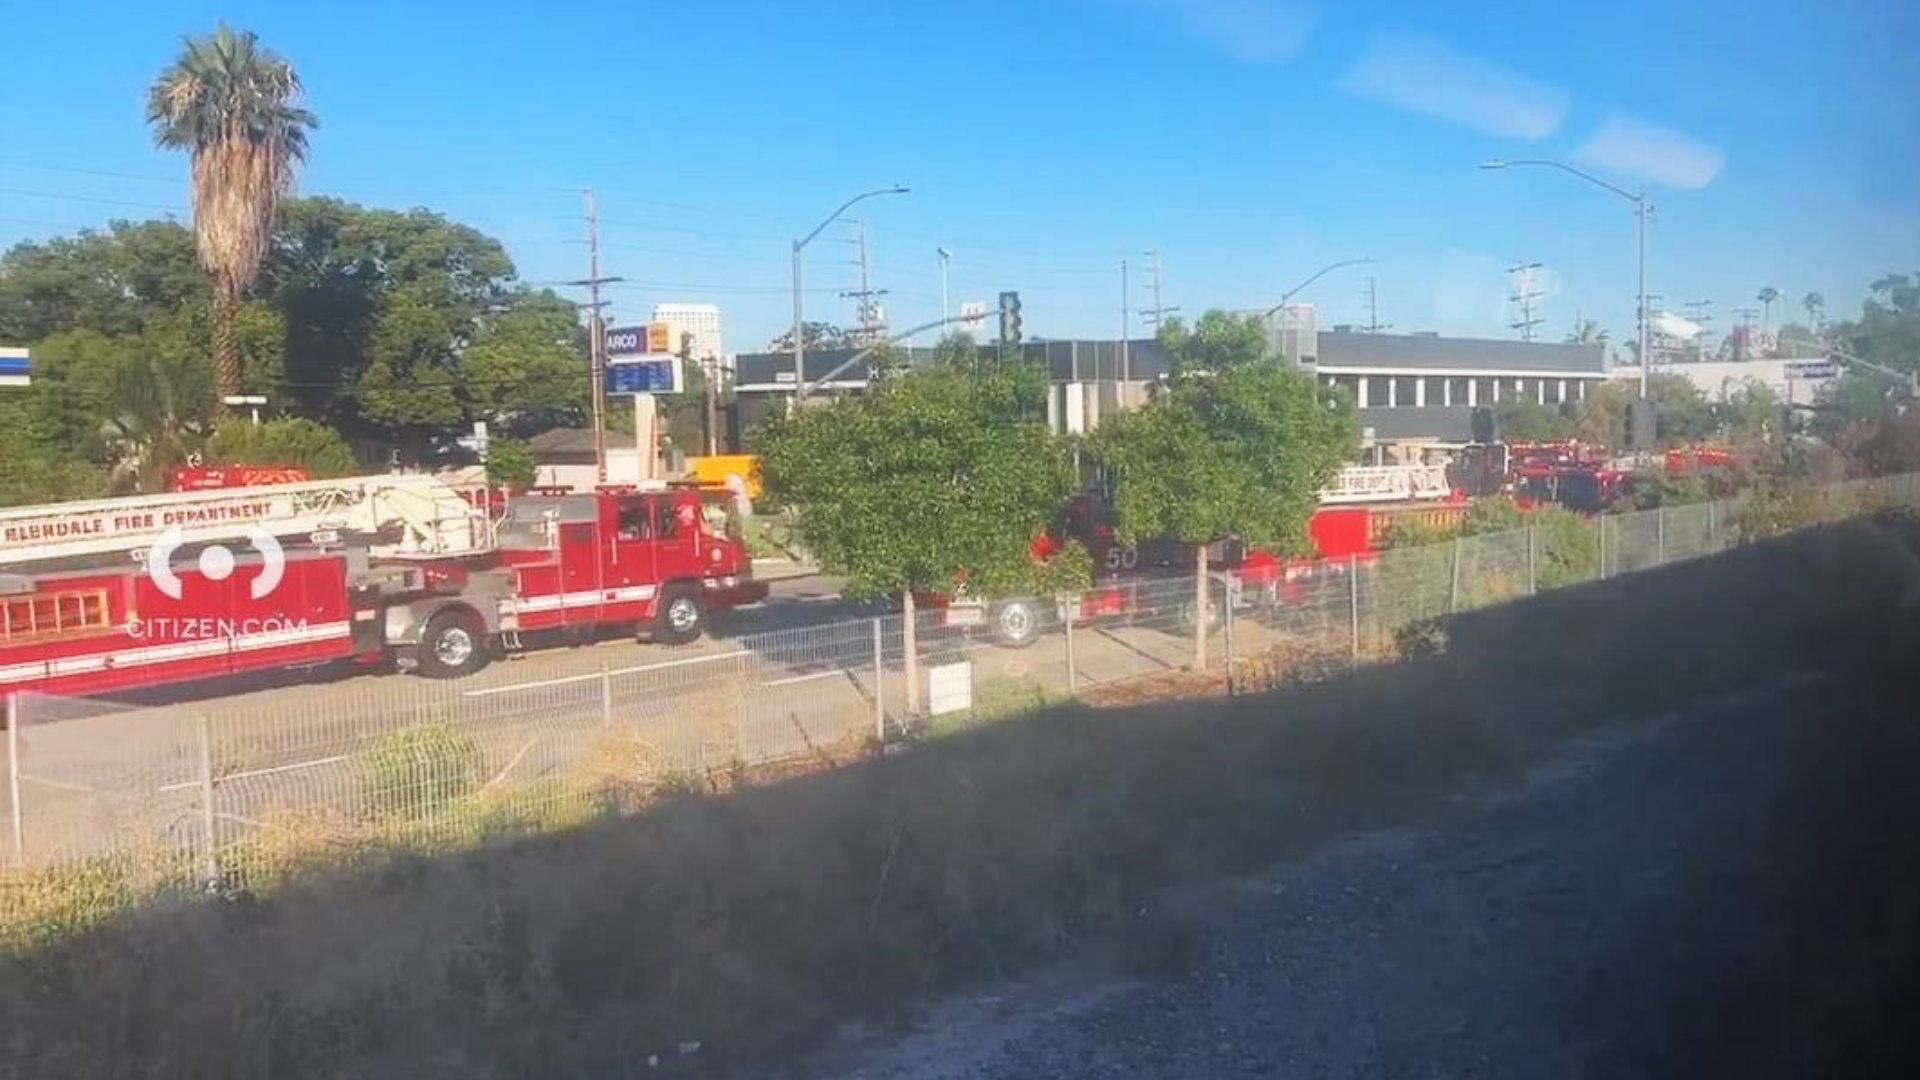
1129,580
118,593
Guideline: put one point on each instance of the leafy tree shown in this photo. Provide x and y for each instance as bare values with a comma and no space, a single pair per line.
1237,445
1603,420
816,335
1530,421
944,471
233,106
114,281
30,470
1795,340
1854,399
1748,410
1888,330
526,370
295,441
510,464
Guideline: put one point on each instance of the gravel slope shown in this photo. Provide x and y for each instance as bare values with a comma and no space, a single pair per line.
1727,893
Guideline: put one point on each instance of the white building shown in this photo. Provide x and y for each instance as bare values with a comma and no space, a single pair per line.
700,320
1794,382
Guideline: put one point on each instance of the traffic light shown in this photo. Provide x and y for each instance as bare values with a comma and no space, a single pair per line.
1009,318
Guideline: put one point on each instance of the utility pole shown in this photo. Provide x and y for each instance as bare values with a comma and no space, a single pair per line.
866,298
596,334
1525,295
1374,325
1745,315
1698,314
1158,313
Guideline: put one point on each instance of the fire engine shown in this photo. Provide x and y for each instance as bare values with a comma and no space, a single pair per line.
1127,580
118,593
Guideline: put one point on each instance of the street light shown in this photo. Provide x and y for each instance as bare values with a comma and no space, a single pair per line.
799,344
1640,209
946,257
1311,278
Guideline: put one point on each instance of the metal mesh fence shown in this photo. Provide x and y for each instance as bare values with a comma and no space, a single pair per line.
233,791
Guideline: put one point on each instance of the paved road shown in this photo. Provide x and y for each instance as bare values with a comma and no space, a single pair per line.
1729,894
789,677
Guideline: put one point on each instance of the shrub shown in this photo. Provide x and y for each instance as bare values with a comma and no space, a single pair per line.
1565,548
419,771
294,441
1492,515
1413,530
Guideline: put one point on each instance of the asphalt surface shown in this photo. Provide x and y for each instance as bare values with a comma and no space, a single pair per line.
1727,892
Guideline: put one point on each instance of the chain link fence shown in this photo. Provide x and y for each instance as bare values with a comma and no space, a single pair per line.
135,801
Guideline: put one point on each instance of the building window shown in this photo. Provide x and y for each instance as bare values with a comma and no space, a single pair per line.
1486,392
1457,390
1406,391
1436,391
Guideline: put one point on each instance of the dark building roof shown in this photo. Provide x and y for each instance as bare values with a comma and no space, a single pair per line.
562,443
1417,352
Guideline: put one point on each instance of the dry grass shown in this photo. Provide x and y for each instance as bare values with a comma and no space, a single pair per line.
753,921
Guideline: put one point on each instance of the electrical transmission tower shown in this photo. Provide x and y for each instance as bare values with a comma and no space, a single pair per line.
1525,296
1698,314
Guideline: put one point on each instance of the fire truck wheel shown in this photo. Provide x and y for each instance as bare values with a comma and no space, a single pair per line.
1016,623
452,644
680,618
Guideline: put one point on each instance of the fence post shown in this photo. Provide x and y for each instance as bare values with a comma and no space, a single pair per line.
1070,613
1603,546
606,693
1713,525
879,686
212,866
1353,602
1533,570
1453,585
1660,543
13,780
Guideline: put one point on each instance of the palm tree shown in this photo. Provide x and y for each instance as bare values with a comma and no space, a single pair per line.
1768,297
1587,332
1816,306
234,107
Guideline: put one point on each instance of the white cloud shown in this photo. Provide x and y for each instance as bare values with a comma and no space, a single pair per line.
1651,152
1426,77
1259,31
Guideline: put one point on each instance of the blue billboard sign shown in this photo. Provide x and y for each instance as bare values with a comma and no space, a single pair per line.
13,366
653,374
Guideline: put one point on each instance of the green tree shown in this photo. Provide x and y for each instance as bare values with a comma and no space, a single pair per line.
510,464
1749,409
233,106
1237,445
1816,307
1530,421
114,281
526,370
946,470
295,441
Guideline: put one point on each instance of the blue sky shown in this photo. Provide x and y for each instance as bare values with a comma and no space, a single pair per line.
1248,142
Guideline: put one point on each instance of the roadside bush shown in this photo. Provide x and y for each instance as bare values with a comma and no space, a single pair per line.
292,441
1412,530
1777,509
1492,515
510,464
418,771
1565,548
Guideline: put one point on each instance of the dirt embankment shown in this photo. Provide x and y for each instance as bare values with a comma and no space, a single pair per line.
719,933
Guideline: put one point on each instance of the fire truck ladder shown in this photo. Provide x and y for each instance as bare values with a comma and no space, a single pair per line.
403,517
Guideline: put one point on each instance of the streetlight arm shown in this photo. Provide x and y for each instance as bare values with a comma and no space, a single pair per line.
1316,276
1630,196
831,218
